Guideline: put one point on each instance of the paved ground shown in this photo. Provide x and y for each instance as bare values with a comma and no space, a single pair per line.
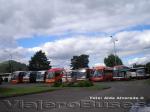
75,100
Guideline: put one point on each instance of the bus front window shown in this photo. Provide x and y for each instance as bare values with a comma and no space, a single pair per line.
14,76
50,75
39,75
141,71
97,73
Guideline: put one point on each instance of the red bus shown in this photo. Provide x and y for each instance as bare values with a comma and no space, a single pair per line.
54,75
102,73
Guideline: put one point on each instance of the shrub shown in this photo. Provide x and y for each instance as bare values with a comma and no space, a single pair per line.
57,84
70,84
85,83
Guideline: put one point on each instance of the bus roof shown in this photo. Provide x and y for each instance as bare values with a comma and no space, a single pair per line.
55,69
102,68
118,67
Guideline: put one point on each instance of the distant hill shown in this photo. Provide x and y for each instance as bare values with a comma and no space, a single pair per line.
5,67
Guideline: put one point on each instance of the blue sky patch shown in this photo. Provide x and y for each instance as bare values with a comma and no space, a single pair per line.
136,28
38,40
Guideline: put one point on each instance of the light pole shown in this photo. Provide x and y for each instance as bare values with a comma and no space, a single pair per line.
114,42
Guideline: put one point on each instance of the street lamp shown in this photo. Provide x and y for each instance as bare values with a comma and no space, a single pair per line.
114,42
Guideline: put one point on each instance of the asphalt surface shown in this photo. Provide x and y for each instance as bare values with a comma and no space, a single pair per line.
78,100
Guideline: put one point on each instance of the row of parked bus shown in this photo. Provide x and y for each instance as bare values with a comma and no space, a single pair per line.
28,76
100,73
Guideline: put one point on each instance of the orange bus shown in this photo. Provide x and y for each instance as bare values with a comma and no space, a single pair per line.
54,75
102,73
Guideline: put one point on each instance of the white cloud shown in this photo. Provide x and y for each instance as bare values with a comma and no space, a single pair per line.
25,18
61,51
20,19
133,42
139,60
128,44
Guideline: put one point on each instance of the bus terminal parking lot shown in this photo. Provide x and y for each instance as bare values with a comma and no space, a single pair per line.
78,99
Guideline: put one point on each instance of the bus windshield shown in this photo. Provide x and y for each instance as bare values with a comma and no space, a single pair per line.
15,75
132,70
97,73
39,75
50,75
141,71
53,74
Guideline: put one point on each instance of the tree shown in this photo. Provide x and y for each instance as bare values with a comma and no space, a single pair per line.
138,65
81,61
112,60
148,67
39,62
11,66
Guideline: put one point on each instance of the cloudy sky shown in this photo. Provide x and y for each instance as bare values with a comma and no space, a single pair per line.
63,28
